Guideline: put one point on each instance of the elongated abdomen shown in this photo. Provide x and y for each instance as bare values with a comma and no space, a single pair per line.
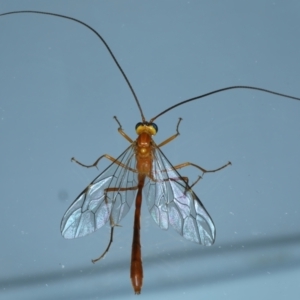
136,269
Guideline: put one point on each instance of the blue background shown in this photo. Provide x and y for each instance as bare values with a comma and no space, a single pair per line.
59,90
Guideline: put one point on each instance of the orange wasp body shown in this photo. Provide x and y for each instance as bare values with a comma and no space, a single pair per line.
141,169
144,157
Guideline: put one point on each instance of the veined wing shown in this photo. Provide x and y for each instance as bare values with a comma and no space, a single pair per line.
171,201
95,205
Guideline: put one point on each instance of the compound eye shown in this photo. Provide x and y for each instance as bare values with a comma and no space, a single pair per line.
154,126
138,125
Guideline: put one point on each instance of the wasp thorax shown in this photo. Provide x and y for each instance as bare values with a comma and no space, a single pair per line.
143,150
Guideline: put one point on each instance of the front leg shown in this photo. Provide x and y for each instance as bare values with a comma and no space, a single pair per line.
121,131
171,138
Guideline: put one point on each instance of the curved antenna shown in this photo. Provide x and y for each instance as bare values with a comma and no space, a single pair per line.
99,36
223,90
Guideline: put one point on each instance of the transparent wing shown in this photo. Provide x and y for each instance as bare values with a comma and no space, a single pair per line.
107,197
171,201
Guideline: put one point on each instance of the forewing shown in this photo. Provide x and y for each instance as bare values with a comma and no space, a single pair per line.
171,201
107,197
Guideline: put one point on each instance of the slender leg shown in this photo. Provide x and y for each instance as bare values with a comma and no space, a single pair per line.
106,155
73,159
97,161
171,138
186,164
108,246
186,179
196,181
112,223
203,171
121,131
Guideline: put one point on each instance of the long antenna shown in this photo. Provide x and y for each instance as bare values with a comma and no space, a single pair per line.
127,80
223,90
99,36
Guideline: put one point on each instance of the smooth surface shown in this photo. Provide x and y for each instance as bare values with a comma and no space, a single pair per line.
59,90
